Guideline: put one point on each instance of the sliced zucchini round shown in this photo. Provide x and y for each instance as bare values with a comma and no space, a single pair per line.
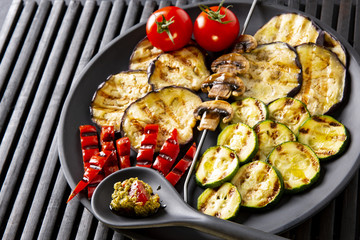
326,136
289,111
271,134
223,202
249,111
241,138
260,185
217,165
297,163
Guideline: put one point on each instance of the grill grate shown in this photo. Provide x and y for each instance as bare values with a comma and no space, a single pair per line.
43,46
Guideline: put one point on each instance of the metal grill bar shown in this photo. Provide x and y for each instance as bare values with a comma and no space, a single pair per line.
44,45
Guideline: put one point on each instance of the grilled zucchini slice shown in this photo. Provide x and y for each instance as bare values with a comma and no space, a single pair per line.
223,202
291,28
143,54
297,163
249,111
185,67
289,111
274,72
170,107
270,134
217,165
241,138
115,95
326,136
260,185
323,78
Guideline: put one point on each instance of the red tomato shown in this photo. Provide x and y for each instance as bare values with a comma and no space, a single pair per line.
218,33
166,23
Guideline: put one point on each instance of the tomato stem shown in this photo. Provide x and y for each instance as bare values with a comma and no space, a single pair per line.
163,26
216,16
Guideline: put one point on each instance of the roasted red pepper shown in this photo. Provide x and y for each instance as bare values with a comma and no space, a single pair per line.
107,138
176,173
93,184
95,165
123,149
138,191
89,142
148,144
168,154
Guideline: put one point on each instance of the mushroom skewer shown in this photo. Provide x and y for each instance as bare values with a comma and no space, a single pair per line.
219,89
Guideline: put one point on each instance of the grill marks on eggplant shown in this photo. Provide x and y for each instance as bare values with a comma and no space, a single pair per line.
143,54
170,107
274,72
323,78
115,95
185,67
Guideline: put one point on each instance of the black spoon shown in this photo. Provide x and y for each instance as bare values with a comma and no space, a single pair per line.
174,213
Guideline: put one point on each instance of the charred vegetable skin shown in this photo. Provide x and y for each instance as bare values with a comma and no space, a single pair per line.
168,154
89,142
107,139
178,171
148,144
123,147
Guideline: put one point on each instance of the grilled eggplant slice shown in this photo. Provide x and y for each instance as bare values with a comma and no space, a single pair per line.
169,107
326,136
143,54
330,42
297,163
185,67
289,111
270,134
274,72
115,95
323,78
291,28
260,185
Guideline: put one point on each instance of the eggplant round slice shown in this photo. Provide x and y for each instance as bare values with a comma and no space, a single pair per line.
241,138
223,202
249,111
170,107
297,163
185,67
270,134
260,185
143,54
274,72
217,165
289,111
323,79
330,42
291,28
326,136
115,95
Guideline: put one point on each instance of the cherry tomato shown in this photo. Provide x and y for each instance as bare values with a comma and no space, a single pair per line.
215,29
169,28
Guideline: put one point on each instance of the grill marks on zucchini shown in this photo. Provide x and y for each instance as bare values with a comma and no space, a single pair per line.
259,184
323,78
326,136
222,202
115,95
297,163
170,107
274,72
185,67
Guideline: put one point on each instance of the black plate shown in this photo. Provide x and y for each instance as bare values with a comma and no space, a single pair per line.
291,210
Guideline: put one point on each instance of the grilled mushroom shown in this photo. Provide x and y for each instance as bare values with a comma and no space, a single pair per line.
222,85
231,62
245,43
210,112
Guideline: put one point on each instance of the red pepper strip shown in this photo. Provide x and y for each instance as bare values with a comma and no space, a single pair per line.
91,187
89,142
123,149
93,168
176,173
148,144
168,154
138,191
107,138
